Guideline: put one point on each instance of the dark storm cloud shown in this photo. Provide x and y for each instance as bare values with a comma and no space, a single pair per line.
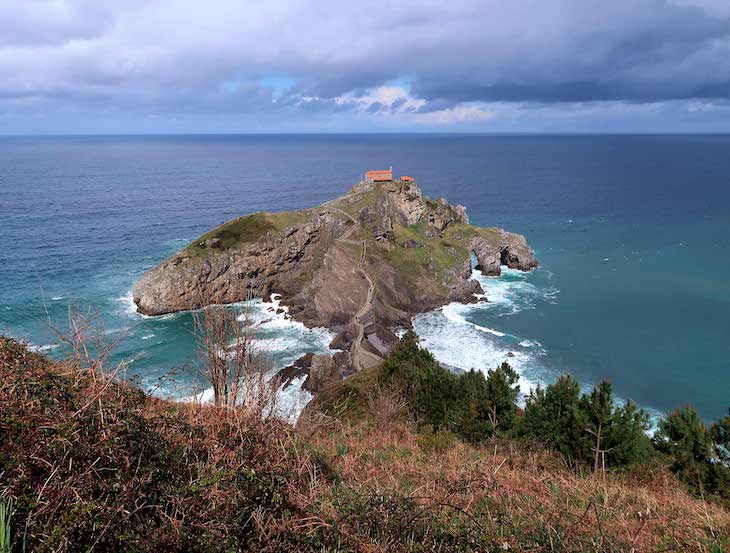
446,94
186,56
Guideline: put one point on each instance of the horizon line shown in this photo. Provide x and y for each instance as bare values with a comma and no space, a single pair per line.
372,133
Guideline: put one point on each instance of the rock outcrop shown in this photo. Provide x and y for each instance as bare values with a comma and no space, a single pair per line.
360,265
510,249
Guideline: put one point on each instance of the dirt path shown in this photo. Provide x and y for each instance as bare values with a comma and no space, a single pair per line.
361,358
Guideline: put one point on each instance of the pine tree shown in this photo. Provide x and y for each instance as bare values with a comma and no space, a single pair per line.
552,416
588,427
685,438
598,414
720,435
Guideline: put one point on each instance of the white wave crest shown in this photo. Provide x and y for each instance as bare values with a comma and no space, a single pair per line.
44,348
455,312
512,292
286,405
466,346
276,333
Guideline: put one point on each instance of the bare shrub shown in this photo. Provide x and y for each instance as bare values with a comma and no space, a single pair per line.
240,375
84,335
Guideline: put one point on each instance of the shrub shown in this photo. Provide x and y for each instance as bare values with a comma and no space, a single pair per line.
470,405
699,456
97,464
435,442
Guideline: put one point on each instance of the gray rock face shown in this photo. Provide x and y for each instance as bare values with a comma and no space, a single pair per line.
407,200
272,263
510,249
322,373
315,261
442,215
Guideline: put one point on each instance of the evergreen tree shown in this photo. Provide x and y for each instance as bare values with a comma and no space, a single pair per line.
502,391
684,437
485,406
470,416
626,441
720,468
720,435
470,405
552,416
598,411
588,427
429,388
700,456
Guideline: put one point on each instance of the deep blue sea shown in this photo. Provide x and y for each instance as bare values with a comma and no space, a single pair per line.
632,234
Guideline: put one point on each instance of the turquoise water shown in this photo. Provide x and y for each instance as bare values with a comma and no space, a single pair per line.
632,233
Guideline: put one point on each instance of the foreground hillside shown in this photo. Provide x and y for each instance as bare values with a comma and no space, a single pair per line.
89,463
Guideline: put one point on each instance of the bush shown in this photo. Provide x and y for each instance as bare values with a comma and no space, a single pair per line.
699,456
435,442
470,405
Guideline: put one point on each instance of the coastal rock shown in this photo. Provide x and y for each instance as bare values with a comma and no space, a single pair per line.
323,372
297,369
360,265
407,200
442,215
504,248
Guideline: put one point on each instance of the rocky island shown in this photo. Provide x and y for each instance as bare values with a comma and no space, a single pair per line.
361,265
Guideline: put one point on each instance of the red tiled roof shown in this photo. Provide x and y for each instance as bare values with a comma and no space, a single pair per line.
380,172
407,178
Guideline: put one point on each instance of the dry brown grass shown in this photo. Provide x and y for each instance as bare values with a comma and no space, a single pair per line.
95,464
525,497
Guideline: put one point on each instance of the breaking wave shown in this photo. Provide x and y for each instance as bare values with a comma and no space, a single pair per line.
458,336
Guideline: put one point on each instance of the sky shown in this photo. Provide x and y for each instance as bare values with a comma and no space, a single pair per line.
230,66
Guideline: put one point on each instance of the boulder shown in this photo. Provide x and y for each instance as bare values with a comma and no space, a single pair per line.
322,372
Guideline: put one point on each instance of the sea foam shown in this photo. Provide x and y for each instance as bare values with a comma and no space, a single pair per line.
456,338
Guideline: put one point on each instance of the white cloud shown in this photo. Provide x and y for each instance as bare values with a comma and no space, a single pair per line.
392,99
462,113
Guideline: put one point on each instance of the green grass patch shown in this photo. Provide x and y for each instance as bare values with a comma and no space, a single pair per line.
436,256
362,200
348,399
460,233
246,230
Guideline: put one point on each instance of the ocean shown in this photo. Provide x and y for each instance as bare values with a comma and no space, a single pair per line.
632,234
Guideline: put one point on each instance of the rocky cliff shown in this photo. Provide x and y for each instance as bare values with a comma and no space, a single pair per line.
361,264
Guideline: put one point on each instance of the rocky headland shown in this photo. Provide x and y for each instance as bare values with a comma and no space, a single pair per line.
361,265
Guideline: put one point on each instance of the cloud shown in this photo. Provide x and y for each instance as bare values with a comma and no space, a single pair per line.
396,102
426,62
